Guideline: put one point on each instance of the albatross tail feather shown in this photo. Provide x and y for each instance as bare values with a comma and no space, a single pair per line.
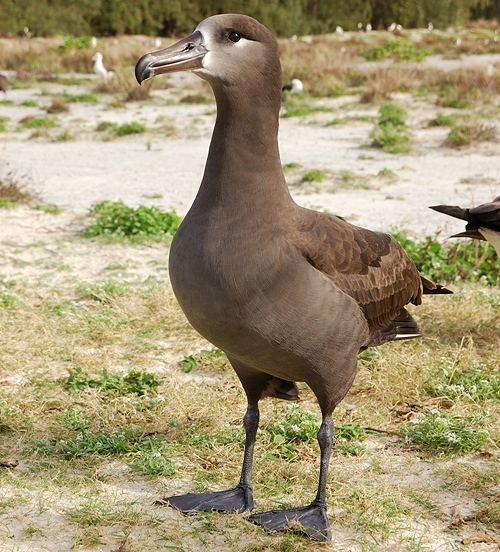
430,288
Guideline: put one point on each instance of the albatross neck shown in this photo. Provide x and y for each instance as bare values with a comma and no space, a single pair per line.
243,163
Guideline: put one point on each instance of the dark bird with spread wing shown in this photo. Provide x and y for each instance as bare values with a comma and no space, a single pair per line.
483,221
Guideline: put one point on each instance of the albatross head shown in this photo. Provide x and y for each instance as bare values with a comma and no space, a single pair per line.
225,50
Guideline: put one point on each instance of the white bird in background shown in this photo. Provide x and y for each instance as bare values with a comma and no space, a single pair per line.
458,41
368,27
99,68
392,27
339,30
157,42
430,26
295,87
93,42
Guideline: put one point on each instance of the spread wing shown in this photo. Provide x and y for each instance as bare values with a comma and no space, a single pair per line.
486,215
369,266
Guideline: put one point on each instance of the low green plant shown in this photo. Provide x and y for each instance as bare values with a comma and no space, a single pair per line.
75,419
147,454
468,260
392,114
48,208
438,432
477,382
3,123
75,43
120,441
391,133
465,135
115,219
387,173
196,99
14,189
290,166
106,125
103,290
345,120
114,129
134,381
202,358
313,176
151,458
88,97
398,50
38,122
130,128
7,203
301,109
7,299
347,437
64,136
292,425
350,180
442,120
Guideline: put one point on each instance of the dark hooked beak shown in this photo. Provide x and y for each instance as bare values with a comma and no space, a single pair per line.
185,55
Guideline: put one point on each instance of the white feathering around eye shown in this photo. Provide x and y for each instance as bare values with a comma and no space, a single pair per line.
211,63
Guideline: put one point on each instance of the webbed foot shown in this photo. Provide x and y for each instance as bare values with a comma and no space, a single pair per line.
239,499
311,520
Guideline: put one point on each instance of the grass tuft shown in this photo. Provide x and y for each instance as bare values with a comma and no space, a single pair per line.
134,381
468,260
391,133
477,382
398,50
313,175
115,219
466,135
438,432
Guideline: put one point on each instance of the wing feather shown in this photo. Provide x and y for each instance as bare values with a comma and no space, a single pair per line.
369,266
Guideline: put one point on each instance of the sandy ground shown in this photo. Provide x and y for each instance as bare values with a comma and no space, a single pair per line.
75,174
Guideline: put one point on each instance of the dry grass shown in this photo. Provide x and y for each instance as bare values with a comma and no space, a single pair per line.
15,188
382,82
58,105
378,501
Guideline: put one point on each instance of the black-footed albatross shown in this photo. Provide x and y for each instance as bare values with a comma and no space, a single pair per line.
483,221
289,294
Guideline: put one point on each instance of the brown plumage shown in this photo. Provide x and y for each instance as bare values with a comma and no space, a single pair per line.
483,221
289,294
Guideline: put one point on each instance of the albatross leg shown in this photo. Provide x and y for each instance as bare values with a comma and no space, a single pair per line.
312,519
238,499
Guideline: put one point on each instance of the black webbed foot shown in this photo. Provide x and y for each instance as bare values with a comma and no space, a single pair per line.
239,499
311,520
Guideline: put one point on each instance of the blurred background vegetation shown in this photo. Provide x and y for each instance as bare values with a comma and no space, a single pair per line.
283,17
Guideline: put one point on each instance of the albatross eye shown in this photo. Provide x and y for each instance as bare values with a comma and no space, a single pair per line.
234,36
